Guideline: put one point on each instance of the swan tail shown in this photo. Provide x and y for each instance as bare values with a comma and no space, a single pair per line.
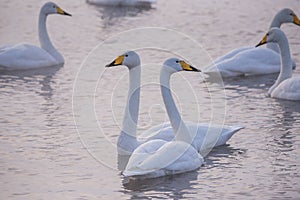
227,134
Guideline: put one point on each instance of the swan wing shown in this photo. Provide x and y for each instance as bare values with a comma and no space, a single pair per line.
171,158
162,131
230,54
219,134
207,136
25,56
252,61
288,89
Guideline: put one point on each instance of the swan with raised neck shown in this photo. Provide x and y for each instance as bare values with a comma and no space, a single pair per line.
157,158
46,44
25,56
127,140
285,15
171,66
284,82
245,60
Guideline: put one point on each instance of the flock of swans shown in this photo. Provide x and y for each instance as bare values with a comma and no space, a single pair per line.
251,60
177,146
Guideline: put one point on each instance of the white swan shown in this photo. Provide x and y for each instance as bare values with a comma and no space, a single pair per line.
160,158
128,142
136,3
26,56
286,86
250,60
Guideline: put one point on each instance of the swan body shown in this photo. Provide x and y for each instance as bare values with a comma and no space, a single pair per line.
286,86
250,60
27,56
128,141
200,130
133,3
157,158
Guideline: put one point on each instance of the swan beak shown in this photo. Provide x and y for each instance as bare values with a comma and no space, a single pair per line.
62,12
187,67
263,41
296,20
118,61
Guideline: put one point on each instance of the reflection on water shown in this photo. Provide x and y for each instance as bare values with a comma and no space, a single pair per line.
169,187
217,155
180,185
112,16
40,76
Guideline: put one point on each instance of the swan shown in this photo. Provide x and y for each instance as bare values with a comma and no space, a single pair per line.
136,3
250,60
286,86
127,140
26,56
158,158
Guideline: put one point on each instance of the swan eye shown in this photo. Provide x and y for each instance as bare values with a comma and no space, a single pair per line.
126,55
54,6
292,14
177,61
268,34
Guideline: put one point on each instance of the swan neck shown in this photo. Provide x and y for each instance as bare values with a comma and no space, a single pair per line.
179,127
44,38
130,119
275,23
286,68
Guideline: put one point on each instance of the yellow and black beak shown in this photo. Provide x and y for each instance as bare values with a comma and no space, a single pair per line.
118,61
263,41
62,12
187,67
296,20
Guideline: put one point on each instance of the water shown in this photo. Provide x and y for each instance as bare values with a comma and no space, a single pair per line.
42,156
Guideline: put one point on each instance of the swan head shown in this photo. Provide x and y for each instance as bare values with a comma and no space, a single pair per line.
286,15
130,59
274,35
52,8
176,65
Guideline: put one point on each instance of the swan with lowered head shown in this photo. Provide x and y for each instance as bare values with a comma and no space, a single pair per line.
286,86
127,140
158,157
26,56
250,60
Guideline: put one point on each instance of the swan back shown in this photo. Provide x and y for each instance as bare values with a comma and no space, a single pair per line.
160,158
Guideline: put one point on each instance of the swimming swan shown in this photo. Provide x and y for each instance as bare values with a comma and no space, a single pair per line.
286,86
250,60
136,3
27,56
158,157
127,140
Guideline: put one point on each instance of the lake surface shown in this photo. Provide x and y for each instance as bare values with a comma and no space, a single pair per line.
59,126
